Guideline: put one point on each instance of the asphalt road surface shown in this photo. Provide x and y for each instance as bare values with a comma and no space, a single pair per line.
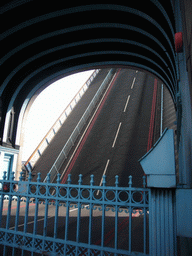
119,135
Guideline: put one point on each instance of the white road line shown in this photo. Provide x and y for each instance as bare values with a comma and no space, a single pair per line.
116,135
48,217
68,163
133,83
77,208
31,222
103,175
126,103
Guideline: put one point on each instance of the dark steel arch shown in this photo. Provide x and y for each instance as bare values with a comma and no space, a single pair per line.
42,42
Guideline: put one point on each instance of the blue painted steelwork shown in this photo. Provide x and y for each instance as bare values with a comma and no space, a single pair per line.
7,164
159,163
161,125
162,224
107,209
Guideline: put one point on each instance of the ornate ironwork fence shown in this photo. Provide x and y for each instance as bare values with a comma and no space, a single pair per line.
73,219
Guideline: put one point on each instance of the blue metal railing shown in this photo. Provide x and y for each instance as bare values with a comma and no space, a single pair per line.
73,219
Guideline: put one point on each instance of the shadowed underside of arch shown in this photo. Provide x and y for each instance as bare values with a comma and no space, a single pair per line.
42,41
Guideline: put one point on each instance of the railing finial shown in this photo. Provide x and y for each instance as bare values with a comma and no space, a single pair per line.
21,176
39,177
104,180
92,180
69,179
12,175
4,175
58,178
116,180
130,181
48,177
144,181
80,179
30,177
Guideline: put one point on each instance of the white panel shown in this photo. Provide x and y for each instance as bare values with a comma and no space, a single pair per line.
161,158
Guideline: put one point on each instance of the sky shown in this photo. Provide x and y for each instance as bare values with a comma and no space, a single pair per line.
48,106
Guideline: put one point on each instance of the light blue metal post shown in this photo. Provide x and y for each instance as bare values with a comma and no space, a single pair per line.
17,215
57,206
35,219
27,210
8,213
36,208
56,210
103,214
79,213
116,212
130,212
150,224
67,213
161,126
161,228
46,211
2,199
145,217
90,213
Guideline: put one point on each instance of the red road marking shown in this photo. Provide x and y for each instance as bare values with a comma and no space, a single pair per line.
109,236
111,232
15,207
151,126
88,131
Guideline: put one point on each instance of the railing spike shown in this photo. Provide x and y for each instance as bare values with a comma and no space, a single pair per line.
58,178
30,177
63,197
104,180
144,181
69,179
21,176
4,175
130,181
80,179
12,175
39,177
48,177
116,180
92,180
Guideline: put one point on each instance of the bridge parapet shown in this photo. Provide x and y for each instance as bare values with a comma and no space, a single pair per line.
30,163
70,142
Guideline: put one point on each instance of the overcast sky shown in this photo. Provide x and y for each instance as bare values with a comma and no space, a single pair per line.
47,108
